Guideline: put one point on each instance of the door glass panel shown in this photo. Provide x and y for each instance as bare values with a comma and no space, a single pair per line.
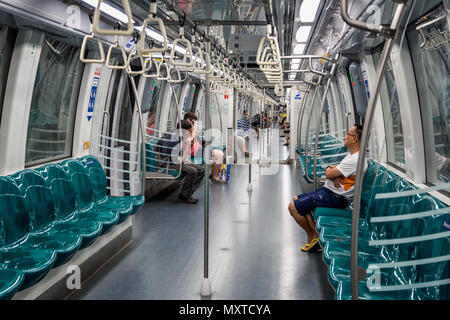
429,41
53,105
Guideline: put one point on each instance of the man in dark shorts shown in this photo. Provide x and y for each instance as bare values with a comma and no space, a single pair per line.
336,193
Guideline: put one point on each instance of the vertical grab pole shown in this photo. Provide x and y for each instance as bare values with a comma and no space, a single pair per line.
206,283
354,272
307,132
249,187
319,122
300,119
142,133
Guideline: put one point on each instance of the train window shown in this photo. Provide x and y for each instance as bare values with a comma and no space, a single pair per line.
53,104
429,42
152,92
391,111
7,41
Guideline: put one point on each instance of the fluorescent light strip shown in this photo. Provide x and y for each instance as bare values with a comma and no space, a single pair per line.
106,8
308,10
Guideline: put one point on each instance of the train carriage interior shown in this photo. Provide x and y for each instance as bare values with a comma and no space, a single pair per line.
181,149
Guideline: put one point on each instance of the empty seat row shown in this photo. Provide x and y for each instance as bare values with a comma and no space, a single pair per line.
334,226
330,153
48,214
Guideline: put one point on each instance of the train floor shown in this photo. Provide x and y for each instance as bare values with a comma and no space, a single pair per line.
254,249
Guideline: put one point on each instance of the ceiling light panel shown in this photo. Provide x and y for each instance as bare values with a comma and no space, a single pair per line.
303,33
299,48
308,10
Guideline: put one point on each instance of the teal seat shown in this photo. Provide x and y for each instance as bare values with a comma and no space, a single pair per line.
14,225
41,208
67,216
109,213
339,270
74,166
97,177
8,186
27,178
10,283
53,171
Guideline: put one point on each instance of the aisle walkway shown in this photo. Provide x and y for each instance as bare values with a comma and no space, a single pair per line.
254,247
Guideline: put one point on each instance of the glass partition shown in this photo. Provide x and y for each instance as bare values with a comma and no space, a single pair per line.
53,105
391,111
173,117
429,42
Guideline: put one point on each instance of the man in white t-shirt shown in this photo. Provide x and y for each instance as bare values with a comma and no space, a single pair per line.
336,193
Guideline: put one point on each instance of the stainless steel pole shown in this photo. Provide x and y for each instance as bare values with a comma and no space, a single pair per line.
319,122
316,93
206,283
354,275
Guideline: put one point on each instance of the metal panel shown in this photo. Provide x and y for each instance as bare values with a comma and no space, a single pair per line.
17,104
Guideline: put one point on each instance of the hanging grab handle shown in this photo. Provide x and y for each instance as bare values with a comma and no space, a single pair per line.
188,60
83,50
130,26
141,59
124,56
163,65
149,63
178,78
152,19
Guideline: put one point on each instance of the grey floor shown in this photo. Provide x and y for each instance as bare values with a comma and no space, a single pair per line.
254,247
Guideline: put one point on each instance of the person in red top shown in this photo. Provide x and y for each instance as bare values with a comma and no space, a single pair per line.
151,124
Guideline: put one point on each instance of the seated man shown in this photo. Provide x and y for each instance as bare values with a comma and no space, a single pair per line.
336,193
193,173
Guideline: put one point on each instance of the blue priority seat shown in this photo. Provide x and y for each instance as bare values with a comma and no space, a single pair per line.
33,263
98,180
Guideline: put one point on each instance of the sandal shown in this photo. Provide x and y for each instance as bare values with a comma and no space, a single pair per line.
311,246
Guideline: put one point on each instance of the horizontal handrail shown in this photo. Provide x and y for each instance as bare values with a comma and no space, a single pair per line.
118,140
410,286
401,194
388,242
410,216
385,31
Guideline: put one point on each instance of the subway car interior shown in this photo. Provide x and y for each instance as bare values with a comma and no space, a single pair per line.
165,149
